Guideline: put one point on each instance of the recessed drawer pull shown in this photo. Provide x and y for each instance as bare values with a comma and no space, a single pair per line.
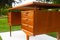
27,19
30,26
27,12
24,18
25,24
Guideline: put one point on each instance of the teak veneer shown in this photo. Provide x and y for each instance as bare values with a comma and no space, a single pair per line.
36,20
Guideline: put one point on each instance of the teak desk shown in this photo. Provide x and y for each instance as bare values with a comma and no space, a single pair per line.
35,19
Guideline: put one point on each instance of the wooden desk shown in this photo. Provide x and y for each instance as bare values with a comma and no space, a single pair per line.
36,20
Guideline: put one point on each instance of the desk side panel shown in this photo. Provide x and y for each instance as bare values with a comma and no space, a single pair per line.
14,18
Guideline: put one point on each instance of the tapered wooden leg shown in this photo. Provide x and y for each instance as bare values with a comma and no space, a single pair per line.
10,31
58,36
27,37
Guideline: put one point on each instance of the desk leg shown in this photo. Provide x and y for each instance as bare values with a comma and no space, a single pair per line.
27,37
58,36
10,31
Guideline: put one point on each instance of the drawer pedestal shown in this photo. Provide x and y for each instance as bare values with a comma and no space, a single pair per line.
36,22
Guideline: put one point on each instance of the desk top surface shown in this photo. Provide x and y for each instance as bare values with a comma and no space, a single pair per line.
33,5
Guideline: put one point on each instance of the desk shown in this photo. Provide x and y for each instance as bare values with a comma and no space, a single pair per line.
36,20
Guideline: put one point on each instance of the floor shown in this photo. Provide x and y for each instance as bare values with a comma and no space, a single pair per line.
20,35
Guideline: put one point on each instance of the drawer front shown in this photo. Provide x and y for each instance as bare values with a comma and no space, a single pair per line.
26,27
24,14
27,14
24,20
27,21
30,15
30,22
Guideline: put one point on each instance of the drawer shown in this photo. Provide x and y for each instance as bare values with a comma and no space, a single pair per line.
24,14
27,21
28,14
26,27
24,20
30,22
